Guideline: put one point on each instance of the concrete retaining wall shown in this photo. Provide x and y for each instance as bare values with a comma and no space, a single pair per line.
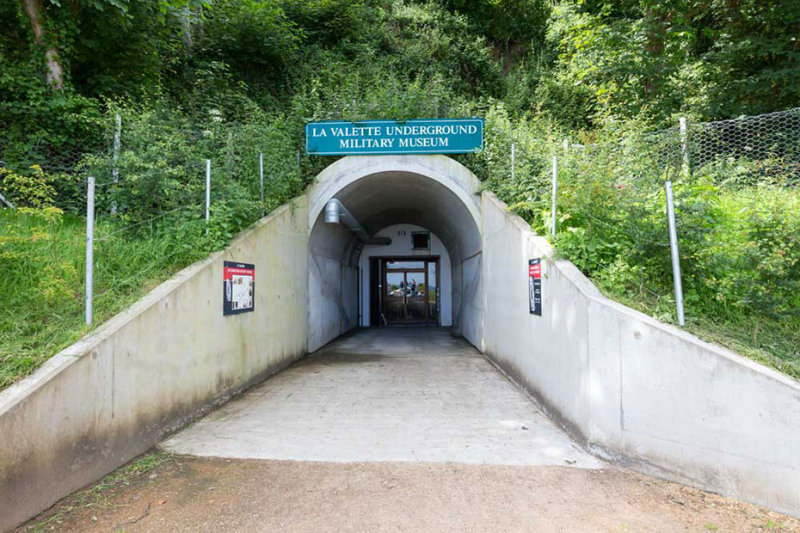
630,388
148,371
471,308
633,389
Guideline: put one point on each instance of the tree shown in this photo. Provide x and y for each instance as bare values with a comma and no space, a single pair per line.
55,72
505,22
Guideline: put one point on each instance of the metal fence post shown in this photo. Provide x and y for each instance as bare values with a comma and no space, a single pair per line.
115,157
89,248
513,161
555,192
673,244
5,201
261,174
684,146
208,193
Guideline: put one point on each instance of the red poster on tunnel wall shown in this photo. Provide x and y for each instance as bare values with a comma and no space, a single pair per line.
238,288
535,286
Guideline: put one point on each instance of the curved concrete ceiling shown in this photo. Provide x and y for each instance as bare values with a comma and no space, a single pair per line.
386,198
432,191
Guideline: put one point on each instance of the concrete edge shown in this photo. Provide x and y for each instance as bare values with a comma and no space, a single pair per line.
690,338
649,468
424,165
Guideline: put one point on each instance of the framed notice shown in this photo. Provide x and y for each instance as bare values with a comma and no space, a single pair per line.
535,286
238,288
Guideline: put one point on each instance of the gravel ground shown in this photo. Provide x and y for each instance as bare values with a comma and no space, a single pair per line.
205,494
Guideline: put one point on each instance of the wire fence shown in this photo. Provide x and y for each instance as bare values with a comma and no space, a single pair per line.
735,246
144,162
771,137
140,175
604,202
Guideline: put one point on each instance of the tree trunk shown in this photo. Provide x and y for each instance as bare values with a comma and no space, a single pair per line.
186,22
55,74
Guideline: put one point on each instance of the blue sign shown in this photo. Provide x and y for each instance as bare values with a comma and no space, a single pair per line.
376,137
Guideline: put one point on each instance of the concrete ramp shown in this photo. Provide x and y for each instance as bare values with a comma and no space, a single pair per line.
391,394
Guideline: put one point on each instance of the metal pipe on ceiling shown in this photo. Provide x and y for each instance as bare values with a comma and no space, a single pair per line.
336,212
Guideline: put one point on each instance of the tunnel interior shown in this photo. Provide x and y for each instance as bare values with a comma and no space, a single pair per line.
356,283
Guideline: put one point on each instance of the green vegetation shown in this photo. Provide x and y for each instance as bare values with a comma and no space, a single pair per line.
225,80
98,495
739,233
42,260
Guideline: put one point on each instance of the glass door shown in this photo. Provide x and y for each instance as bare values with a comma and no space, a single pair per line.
416,310
409,294
394,298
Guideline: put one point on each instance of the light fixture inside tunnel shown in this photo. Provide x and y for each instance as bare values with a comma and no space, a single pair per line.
332,211
336,212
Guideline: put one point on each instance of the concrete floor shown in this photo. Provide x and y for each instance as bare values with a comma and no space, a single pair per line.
391,394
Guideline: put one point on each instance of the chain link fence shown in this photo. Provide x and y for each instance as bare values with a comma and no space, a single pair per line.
770,142
735,196
735,256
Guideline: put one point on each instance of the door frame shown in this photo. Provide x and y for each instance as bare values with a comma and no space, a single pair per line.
380,281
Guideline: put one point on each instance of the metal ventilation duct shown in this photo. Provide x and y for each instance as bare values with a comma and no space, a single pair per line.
336,212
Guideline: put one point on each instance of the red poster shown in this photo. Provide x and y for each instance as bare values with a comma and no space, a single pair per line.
535,286
239,288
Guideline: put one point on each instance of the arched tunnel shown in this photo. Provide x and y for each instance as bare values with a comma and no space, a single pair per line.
405,249
395,244
395,240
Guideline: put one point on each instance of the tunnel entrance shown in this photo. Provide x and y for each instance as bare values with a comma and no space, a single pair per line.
394,241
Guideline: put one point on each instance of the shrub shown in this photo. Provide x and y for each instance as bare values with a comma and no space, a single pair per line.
33,190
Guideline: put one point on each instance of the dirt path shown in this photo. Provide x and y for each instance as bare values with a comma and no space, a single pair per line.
397,430
202,494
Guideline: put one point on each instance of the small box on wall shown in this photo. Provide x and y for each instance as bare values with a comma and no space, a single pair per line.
420,240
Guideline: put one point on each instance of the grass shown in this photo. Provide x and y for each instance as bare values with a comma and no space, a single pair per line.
42,258
775,344
97,495
740,256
